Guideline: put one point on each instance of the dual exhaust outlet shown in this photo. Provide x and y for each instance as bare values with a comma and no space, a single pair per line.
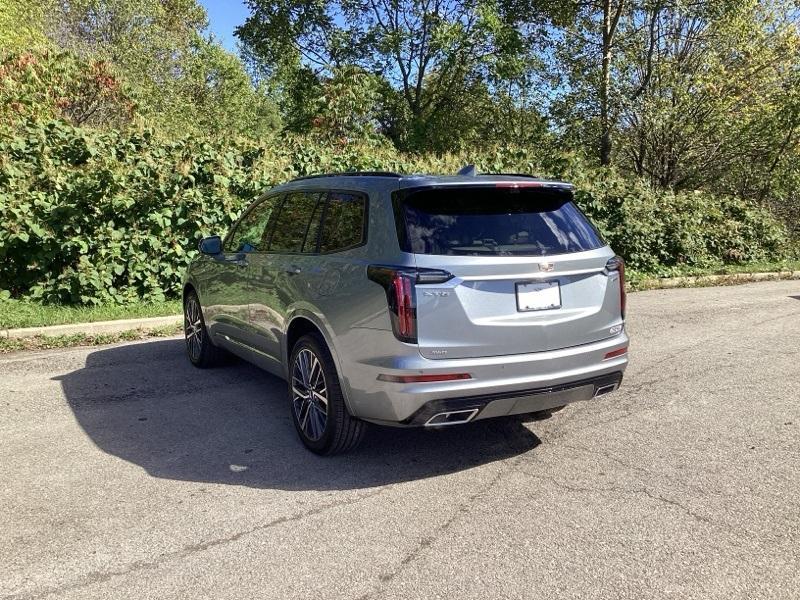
459,417
453,417
605,389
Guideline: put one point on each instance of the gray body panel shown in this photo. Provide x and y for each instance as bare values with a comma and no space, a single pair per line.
469,324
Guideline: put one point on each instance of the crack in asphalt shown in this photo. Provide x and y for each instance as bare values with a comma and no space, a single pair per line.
385,579
621,490
103,576
516,440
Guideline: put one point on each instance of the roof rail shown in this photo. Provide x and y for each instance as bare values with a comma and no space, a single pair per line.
351,174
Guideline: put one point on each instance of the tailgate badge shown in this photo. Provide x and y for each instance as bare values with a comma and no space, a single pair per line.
546,267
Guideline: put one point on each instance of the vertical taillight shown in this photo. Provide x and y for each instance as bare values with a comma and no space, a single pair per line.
400,285
405,302
618,265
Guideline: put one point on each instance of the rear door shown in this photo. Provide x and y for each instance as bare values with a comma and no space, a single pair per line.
529,271
281,276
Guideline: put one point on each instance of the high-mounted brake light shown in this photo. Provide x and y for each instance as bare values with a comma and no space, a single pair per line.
423,378
518,184
617,264
400,285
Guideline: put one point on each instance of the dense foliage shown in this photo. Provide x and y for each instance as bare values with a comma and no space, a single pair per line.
91,216
153,54
127,131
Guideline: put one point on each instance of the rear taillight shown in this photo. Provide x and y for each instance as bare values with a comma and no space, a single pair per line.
405,303
618,265
400,285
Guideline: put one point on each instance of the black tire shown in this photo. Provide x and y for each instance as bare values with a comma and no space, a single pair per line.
201,352
339,432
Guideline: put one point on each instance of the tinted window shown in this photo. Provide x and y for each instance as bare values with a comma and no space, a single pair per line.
310,245
492,221
249,235
344,222
293,223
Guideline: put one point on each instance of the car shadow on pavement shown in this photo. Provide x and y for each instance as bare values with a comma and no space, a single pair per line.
145,404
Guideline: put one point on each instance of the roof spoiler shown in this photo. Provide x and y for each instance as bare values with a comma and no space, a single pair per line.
472,171
468,171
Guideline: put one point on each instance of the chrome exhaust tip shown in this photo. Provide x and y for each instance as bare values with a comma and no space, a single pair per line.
605,389
453,417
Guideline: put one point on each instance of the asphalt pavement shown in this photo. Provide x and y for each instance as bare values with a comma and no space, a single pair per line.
128,474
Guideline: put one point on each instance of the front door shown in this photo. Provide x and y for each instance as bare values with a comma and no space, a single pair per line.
279,277
226,301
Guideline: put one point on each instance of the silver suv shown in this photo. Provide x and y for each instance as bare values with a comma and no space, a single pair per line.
412,300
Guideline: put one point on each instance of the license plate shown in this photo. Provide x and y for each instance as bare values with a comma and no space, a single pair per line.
539,295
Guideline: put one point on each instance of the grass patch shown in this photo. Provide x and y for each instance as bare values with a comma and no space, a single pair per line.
644,281
22,313
44,342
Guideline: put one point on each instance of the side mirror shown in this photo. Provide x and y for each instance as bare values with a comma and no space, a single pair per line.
210,245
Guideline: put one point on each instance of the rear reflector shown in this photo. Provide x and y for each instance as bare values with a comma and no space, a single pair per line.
423,378
616,353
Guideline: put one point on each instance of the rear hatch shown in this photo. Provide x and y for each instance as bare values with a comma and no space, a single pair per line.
530,271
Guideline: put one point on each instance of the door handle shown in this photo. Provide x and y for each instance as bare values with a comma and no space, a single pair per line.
293,270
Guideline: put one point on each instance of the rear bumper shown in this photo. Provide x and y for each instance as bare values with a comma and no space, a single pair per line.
499,385
460,410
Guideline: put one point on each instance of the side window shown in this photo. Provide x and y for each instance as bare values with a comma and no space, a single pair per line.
249,233
294,222
344,222
310,245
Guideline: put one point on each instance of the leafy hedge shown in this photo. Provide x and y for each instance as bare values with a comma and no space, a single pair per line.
93,216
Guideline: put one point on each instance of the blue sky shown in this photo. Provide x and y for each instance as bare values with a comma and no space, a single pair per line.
223,17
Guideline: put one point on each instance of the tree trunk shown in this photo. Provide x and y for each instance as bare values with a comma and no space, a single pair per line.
610,21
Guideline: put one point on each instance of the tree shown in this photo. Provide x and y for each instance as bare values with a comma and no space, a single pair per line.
21,25
47,84
213,91
706,94
587,41
109,55
427,51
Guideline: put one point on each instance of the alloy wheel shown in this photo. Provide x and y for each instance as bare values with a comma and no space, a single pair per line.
309,394
193,328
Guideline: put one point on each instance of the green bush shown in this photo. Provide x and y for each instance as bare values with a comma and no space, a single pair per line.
91,216
654,230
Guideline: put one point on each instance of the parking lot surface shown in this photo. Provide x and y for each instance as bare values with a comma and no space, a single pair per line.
129,474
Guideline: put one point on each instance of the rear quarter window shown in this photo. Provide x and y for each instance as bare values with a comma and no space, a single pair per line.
344,222
478,221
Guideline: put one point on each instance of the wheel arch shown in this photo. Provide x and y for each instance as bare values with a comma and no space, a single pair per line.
298,325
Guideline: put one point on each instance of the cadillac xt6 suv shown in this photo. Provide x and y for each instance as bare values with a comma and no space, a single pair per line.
412,300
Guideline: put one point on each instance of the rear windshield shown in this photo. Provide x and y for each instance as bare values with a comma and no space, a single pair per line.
493,221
